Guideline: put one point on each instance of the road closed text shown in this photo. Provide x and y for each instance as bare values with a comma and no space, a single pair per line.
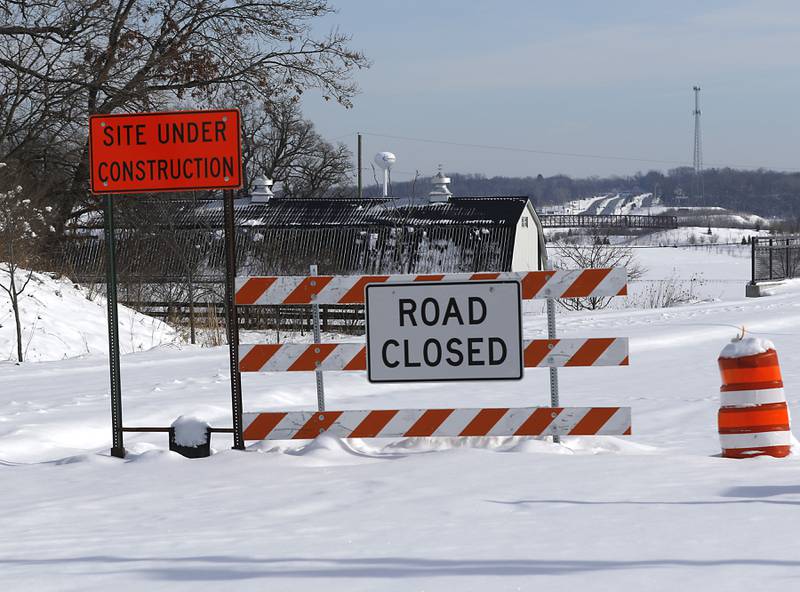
441,331
472,351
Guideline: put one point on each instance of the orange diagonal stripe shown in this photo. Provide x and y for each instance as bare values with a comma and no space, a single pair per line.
262,425
316,352
318,423
585,283
307,288
252,289
537,351
258,356
359,361
428,422
595,419
533,282
483,422
588,353
355,295
538,421
373,423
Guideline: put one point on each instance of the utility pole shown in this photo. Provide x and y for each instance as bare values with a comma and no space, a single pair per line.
697,180
360,184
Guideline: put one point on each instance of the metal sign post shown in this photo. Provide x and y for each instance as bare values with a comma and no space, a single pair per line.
117,446
424,331
318,339
232,319
551,334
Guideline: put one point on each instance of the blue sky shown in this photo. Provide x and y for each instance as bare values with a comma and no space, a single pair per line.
605,78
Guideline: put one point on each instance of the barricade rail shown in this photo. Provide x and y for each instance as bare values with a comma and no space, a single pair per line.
330,289
537,353
410,423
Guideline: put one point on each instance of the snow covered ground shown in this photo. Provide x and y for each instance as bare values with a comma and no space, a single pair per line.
655,511
692,235
62,320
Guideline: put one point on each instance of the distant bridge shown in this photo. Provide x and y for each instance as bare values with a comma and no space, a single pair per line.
607,221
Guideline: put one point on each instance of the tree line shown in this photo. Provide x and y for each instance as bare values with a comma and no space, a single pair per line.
764,192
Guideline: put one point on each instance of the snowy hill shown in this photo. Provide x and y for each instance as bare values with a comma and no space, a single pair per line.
610,204
63,320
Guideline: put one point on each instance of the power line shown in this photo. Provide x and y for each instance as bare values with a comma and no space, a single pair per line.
574,154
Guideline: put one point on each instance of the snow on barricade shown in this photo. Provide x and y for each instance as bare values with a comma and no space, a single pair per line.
61,320
749,346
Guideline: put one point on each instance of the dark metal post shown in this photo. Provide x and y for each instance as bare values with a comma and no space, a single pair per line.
232,323
117,446
753,242
786,272
771,276
360,185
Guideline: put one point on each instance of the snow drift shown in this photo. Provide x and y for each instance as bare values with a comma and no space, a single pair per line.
62,320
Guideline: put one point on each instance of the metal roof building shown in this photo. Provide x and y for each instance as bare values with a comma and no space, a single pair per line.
341,236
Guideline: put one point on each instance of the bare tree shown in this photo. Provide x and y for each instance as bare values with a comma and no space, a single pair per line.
599,254
121,55
280,143
21,225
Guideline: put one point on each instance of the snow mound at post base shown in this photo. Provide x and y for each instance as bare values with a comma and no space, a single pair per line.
63,320
749,346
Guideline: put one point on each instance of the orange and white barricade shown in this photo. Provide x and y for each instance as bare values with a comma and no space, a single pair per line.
753,417
462,422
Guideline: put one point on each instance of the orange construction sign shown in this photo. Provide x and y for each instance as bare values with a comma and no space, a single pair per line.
169,151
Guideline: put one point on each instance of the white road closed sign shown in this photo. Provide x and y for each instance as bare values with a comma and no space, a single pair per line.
444,331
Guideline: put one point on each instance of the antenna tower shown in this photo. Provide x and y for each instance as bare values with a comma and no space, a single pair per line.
697,181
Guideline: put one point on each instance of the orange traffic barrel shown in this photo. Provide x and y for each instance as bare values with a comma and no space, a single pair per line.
753,417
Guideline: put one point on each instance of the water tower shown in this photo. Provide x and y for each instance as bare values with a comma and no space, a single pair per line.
385,160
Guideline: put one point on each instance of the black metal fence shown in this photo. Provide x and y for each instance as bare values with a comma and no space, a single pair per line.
607,221
177,273
775,258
